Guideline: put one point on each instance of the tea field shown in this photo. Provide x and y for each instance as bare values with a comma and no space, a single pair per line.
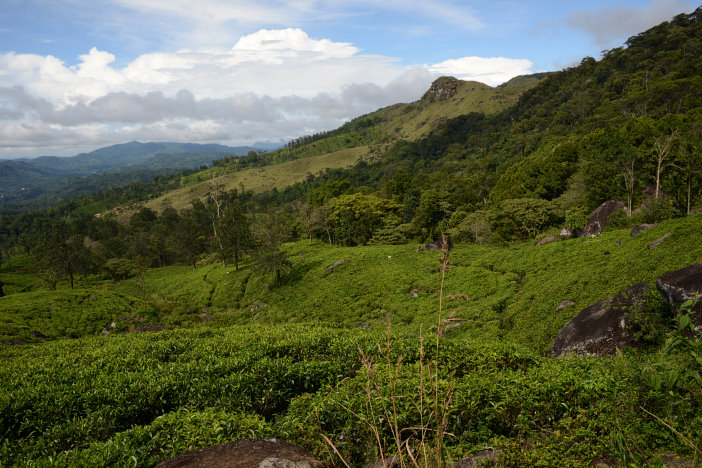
242,357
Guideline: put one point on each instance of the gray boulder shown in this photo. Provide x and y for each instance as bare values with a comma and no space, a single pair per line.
601,328
680,286
546,240
334,265
640,228
482,458
599,218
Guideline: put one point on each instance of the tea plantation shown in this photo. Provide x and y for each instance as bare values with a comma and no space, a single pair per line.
242,357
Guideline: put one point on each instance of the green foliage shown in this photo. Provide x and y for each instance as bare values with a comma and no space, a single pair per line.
119,269
475,227
59,314
527,216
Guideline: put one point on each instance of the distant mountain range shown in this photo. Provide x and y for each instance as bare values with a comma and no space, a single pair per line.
23,180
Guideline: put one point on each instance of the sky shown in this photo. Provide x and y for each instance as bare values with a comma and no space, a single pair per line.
77,75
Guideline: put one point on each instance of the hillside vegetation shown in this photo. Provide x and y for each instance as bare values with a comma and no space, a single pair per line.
289,294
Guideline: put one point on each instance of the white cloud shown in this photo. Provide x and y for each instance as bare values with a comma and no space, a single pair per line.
272,84
491,71
614,23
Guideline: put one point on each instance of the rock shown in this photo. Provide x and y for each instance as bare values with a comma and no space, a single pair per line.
546,240
670,460
601,328
565,304
566,232
598,218
257,305
640,228
282,463
336,264
149,328
393,462
363,325
39,335
438,245
109,328
482,458
414,293
659,241
15,342
442,89
249,453
680,286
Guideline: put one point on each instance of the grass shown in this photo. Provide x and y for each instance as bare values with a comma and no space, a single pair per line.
416,120
258,179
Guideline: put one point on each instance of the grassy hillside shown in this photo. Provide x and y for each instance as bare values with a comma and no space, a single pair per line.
418,119
508,293
343,147
275,176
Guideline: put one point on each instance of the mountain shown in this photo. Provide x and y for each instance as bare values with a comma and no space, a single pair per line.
53,179
126,154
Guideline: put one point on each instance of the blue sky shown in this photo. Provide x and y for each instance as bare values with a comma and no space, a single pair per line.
76,75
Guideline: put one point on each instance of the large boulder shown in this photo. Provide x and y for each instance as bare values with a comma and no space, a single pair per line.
680,286
249,453
601,328
598,219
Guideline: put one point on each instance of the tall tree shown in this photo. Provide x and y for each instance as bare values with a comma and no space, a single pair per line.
234,230
63,253
270,233
663,147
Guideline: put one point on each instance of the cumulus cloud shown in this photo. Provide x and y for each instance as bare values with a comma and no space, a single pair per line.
491,71
271,85
621,21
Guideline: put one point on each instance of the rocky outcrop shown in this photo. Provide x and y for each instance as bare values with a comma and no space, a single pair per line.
657,242
249,453
546,240
564,304
598,219
442,89
334,265
566,232
601,328
640,228
680,286
482,458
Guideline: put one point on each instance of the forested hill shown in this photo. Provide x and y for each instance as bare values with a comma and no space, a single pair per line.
558,145
27,184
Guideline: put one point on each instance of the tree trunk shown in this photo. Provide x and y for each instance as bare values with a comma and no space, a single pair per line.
658,177
70,274
277,276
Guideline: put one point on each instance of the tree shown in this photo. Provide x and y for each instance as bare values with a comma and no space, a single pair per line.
234,230
663,146
270,233
63,253
189,239
627,170
691,159
528,214
321,219
305,211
